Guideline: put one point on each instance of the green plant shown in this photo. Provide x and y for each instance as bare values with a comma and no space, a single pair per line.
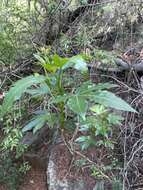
63,101
24,168
11,170
98,124
11,173
12,133
82,39
11,142
18,21
8,172
104,57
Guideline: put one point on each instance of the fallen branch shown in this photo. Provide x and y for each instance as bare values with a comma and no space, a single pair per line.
121,66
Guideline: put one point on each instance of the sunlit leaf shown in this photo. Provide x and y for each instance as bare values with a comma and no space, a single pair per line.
114,119
98,109
109,99
50,67
77,104
77,62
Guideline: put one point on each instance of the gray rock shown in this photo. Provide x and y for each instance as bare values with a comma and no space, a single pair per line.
53,181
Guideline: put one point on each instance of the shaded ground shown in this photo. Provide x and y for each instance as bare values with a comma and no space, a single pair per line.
34,180
36,177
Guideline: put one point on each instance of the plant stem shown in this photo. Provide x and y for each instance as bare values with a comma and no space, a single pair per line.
62,116
61,105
